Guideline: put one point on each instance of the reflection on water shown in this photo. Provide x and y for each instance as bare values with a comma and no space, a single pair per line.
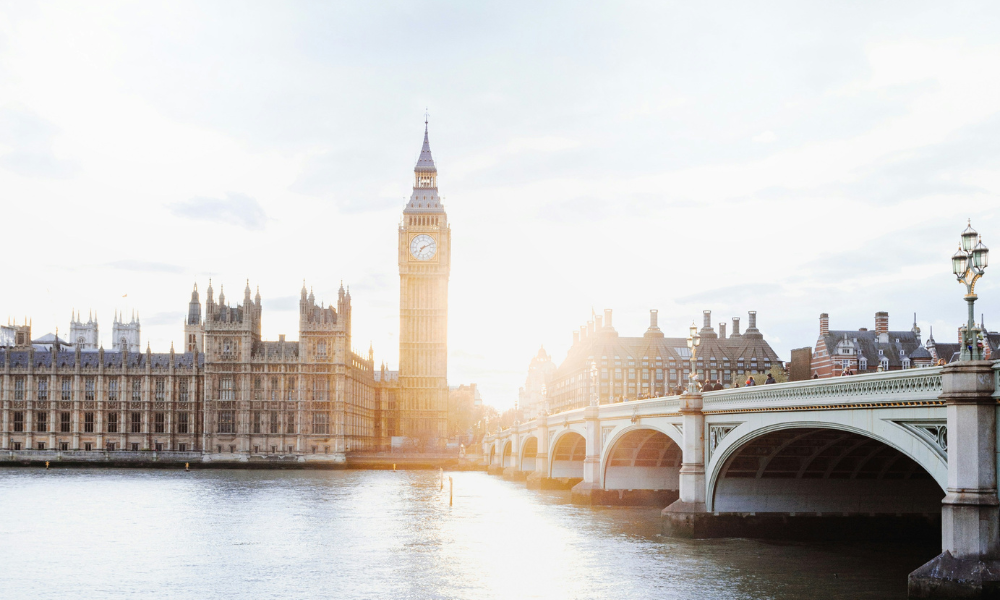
384,534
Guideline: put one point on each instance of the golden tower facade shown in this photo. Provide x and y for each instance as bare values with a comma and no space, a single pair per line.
424,267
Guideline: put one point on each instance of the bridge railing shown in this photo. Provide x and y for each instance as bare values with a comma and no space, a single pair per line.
920,386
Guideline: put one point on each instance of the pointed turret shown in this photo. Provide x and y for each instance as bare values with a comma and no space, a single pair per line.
425,164
194,308
256,298
425,194
246,293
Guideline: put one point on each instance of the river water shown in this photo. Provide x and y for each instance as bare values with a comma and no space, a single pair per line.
381,534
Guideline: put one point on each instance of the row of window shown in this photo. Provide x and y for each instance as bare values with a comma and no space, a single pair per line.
41,423
88,447
89,393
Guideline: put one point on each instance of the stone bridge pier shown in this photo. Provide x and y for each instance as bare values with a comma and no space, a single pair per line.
969,564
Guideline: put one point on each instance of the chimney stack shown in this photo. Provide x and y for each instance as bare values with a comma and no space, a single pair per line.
607,317
736,327
824,324
707,319
583,332
597,322
590,327
881,322
722,331
753,320
652,319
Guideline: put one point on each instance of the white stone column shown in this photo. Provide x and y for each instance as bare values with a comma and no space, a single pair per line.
692,473
968,565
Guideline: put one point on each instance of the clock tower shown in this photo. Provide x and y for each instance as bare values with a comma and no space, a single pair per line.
424,265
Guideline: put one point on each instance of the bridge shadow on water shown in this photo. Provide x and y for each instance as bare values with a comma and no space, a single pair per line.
777,569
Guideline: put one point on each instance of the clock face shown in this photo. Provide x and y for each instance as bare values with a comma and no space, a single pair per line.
423,247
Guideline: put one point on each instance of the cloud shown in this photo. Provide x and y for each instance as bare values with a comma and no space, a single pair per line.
235,209
733,294
281,304
145,266
164,318
765,137
547,143
29,140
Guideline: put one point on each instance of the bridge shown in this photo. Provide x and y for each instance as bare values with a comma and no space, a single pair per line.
883,453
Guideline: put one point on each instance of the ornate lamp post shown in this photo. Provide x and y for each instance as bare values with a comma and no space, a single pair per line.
593,383
694,340
968,265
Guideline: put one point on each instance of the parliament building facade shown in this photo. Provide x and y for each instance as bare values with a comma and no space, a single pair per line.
228,394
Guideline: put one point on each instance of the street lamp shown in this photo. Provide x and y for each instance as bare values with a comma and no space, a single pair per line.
593,383
694,340
968,265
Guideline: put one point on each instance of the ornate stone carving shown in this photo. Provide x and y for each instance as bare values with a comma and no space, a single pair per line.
604,434
717,432
935,433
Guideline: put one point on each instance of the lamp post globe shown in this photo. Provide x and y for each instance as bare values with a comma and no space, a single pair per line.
980,255
693,341
969,237
959,262
968,264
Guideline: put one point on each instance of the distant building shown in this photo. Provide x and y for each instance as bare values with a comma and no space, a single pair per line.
866,351
799,368
125,336
652,365
85,335
313,398
944,352
531,397
462,403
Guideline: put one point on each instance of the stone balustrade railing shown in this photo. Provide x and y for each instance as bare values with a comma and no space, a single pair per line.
921,386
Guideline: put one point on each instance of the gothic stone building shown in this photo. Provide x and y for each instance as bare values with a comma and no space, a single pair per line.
230,395
651,365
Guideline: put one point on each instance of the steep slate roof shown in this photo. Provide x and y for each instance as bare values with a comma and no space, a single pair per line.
91,359
609,344
425,163
866,345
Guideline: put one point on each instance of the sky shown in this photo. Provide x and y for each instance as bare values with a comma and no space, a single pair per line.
785,157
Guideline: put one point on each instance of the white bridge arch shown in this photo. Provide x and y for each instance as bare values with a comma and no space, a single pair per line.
901,410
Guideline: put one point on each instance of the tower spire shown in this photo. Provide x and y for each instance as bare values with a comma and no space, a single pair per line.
425,164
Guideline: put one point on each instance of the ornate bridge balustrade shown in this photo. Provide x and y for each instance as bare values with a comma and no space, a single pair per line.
882,449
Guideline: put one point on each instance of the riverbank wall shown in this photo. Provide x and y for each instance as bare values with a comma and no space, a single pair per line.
236,460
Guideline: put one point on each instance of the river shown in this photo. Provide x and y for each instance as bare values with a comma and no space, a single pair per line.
87,533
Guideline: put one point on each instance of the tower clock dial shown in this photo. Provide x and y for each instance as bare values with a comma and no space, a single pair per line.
423,247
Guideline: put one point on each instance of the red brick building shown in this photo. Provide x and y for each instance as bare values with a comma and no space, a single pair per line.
867,351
